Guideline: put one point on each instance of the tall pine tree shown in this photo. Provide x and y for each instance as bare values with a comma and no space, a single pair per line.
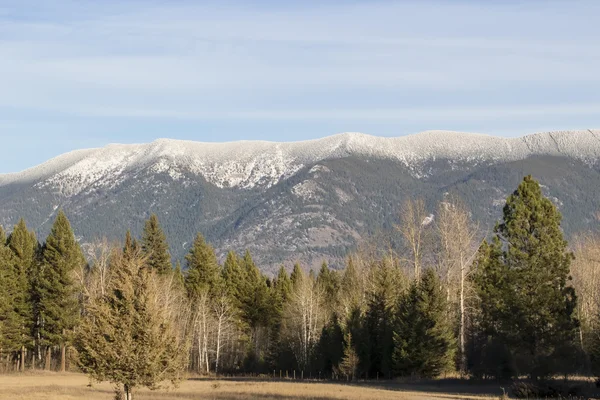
24,246
387,283
10,322
56,287
424,342
203,272
522,281
234,275
155,246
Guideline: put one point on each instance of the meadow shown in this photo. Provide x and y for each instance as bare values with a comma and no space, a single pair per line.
52,386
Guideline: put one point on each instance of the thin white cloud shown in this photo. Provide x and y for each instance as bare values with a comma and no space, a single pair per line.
175,60
408,114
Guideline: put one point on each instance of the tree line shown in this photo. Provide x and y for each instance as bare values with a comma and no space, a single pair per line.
453,298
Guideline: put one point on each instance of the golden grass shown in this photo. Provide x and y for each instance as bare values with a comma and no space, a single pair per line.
51,386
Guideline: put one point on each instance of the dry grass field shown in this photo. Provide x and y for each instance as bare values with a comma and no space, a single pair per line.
51,386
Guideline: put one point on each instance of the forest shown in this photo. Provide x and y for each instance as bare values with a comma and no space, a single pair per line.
516,301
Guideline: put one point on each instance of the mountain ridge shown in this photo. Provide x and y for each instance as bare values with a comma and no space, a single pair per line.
302,201
230,164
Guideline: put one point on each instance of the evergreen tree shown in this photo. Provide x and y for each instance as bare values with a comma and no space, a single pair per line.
128,337
234,277
283,285
351,293
387,283
349,363
255,301
203,272
279,351
296,275
330,349
523,284
24,246
10,329
131,246
424,343
257,311
330,283
155,246
56,288
179,277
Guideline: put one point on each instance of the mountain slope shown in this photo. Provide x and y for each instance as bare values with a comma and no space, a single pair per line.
310,200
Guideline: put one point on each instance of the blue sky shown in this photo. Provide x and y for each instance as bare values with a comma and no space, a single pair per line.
81,73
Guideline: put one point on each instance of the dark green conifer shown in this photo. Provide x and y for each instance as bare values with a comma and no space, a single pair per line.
234,277
203,270
155,246
423,336
9,320
255,300
283,284
56,287
386,286
523,283
24,247
296,275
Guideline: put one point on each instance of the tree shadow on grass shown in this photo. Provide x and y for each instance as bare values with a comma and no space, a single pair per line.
452,388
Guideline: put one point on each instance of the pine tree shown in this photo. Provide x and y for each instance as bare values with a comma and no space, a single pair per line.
255,306
424,343
179,277
349,363
24,246
234,278
297,275
330,282
523,283
279,351
155,246
283,284
131,246
331,349
257,311
387,284
10,330
56,288
128,336
203,272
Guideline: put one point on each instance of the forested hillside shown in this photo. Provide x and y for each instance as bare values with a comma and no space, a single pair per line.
309,201
514,301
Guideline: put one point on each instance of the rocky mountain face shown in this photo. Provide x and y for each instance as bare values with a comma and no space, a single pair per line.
304,201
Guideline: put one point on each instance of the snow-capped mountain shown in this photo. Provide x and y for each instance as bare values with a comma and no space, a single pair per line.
247,164
308,200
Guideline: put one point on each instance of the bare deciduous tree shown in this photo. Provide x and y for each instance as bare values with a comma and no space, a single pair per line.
458,245
585,270
304,318
414,222
224,316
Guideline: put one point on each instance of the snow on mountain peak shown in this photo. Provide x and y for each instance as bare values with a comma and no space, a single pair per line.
247,164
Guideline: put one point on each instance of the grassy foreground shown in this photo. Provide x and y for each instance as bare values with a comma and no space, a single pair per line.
51,386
